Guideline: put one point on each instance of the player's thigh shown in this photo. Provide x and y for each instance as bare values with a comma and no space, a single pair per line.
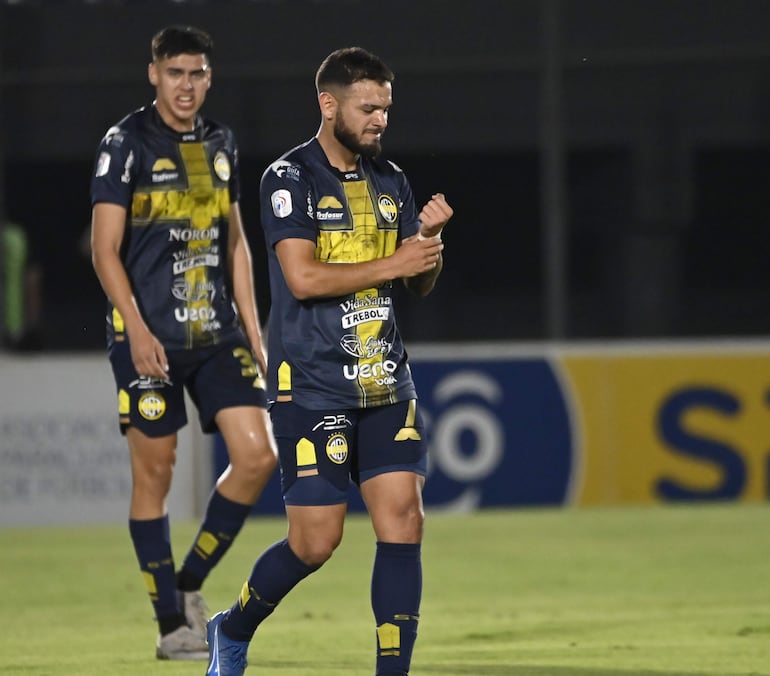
152,458
247,432
392,459
315,531
226,378
394,503
315,449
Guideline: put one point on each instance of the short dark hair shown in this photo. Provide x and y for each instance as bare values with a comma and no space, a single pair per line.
345,66
176,40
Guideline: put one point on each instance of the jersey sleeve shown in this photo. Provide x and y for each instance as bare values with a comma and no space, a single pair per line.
234,184
286,203
115,169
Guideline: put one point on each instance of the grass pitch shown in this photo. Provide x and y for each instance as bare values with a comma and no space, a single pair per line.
675,591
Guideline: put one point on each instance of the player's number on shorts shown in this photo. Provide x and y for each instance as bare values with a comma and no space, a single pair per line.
249,367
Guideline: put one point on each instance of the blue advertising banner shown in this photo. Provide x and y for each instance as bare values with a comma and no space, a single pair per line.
498,433
589,425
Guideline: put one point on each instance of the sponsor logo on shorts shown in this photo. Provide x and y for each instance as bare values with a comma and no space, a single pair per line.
150,383
152,406
337,448
335,421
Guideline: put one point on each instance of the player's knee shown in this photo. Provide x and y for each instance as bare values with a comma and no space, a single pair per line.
153,477
314,548
403,525
413,520
254,466
318,552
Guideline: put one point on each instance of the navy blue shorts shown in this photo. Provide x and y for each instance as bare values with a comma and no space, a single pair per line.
321,452
216,377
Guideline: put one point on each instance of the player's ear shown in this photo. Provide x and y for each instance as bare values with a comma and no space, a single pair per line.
152,74
328,105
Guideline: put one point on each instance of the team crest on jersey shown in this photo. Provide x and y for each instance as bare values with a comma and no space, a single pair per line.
152,406
388,208
222,165
337,448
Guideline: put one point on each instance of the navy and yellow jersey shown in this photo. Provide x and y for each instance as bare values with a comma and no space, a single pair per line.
336,352
177,189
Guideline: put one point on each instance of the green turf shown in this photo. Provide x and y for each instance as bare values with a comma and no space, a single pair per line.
680,591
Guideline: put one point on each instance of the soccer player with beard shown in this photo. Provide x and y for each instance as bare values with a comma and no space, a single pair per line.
341,226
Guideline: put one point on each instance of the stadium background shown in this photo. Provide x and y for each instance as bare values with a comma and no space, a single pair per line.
599,333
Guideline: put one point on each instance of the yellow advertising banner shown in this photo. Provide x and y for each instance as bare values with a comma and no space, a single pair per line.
666,425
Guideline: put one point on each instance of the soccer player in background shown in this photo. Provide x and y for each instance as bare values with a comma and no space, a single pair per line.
169,249
341,226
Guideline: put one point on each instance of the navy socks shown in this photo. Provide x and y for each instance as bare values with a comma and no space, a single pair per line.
274,575
222,522
152,544
396,595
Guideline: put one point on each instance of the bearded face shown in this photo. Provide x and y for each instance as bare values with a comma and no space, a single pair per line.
366,143
361,116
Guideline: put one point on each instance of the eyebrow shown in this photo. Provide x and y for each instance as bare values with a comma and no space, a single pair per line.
376,106
182,71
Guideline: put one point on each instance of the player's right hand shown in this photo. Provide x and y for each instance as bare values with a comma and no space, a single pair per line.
417,255
148,354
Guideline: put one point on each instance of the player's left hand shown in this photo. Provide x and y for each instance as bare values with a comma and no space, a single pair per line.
434,216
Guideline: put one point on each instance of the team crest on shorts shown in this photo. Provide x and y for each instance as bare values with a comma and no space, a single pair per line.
152,406
337,448
222,165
